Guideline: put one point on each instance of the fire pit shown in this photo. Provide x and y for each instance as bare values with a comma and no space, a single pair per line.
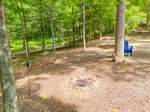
83,82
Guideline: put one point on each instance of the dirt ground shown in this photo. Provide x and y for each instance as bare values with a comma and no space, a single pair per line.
119,87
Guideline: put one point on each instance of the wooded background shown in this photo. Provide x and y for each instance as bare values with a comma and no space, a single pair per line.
51,23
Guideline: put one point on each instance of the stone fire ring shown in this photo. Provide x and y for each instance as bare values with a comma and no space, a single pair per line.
84,82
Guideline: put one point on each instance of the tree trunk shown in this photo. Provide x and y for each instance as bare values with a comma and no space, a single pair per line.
83,15
101,22
73,28
62,33
120,32
42,31
25,29
7,80
22,26
148,14
42,27
52,30
91,20
79,32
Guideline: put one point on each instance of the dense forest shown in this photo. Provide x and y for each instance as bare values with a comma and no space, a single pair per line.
52,23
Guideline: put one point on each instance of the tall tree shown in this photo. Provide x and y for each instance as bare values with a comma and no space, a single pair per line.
42,24
83,31
120,31
148,13
50,5
25,29
73,25
52,30
6,75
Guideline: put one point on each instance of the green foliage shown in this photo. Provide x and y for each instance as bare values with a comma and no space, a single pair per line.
67,19
134,16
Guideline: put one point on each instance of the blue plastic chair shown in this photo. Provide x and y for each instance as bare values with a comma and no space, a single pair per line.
127,48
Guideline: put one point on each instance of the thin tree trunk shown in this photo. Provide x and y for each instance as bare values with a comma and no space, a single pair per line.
79,31
7,80
62,28
73,28
22,27
25,29
62,33
91,20
42,28
101,21
120,32
83,14
148,14
147,20
53,36
52,31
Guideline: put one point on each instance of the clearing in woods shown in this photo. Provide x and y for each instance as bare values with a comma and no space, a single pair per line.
77,81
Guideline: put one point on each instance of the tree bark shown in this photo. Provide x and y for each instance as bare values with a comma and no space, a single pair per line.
42,27
52,30
83,17
42,31
25,29
91,21
7,80
148,14
101,21
22,26
73,28
120,32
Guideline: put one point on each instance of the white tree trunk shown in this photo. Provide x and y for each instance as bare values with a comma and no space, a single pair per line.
120,32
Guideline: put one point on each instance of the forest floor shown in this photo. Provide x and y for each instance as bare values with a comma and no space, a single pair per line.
89,81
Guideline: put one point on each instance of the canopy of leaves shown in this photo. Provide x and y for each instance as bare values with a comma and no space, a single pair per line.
100,17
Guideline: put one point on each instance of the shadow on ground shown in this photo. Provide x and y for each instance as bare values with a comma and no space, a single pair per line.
62,63
142,54
127,71
46,105
131,72
35,103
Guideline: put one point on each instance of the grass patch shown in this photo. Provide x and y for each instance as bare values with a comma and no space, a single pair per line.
16,45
